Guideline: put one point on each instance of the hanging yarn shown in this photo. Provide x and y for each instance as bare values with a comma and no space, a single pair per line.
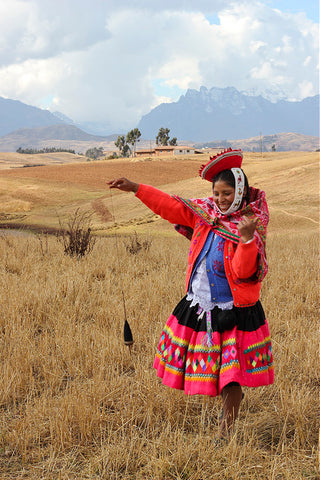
127,334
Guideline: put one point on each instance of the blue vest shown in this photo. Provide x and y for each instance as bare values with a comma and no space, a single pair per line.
213,251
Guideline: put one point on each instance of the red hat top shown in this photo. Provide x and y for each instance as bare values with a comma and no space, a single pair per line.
222,161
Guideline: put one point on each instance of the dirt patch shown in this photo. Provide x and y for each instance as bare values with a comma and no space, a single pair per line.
101,210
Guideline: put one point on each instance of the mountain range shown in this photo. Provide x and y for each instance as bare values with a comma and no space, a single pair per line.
280,142
15,115
209,115
226,113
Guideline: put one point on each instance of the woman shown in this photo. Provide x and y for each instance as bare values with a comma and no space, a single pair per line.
217,338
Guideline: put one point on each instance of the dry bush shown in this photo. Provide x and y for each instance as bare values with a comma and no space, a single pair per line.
74,404
76,235
135,244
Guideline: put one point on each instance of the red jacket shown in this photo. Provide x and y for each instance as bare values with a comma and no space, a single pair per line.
240,260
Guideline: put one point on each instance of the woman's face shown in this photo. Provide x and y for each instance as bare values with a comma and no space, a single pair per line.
223,195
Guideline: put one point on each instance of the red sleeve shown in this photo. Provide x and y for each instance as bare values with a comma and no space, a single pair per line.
244,262
165,205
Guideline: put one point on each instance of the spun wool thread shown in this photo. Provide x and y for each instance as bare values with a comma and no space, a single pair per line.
127,333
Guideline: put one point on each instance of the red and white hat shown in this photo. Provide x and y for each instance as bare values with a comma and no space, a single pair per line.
222,161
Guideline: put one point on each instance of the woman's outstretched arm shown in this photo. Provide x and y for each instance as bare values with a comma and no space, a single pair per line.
124,184
159,202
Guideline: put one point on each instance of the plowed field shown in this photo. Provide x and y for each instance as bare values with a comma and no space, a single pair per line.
95,174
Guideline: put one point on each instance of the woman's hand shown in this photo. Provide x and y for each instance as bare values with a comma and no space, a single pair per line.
124,184
247,228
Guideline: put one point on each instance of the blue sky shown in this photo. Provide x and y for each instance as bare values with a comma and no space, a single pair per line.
309,7
112,61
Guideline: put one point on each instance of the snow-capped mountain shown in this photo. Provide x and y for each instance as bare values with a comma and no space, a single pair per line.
226,113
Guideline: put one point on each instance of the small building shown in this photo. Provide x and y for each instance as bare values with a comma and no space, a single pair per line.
173,150
183,150
145,152
166,150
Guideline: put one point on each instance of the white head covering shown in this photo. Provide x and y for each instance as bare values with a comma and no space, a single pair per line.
238,191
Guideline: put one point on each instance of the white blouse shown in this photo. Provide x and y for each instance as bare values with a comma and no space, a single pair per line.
200,293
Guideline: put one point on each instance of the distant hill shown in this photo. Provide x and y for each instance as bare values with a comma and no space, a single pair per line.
15,115
67,136
282,142
225,113
72,137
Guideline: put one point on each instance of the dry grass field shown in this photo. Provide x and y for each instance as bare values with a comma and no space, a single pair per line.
74,404
37,197
15,160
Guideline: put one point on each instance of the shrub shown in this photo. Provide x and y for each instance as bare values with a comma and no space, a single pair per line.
76,236
135,245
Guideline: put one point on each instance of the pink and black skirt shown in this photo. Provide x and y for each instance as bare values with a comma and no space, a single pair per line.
187,359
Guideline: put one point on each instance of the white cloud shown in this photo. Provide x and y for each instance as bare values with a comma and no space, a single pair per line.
257,46
32,78
45,28
180,72
261,48
307,61
99,60
306,88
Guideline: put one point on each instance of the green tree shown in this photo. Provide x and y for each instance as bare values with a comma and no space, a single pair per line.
173,141
132,138
94,153
122,145
163,137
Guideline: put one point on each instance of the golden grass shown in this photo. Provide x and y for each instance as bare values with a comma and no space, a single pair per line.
74,404
15,160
